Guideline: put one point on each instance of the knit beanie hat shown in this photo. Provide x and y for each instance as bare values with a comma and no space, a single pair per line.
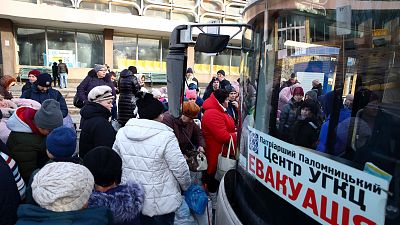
189,70
100,93
61,142
298,91
97,68
311,105
190,109
105,165
193,86
49,116
191,94
62,186
148,107
221,72
44,80
156,93
34,73
312,95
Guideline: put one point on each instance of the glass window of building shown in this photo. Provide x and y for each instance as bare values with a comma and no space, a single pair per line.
124,52
124,8
165,50
202,63
31,46
63,3
30,1
157,13
94,6
149,55
90,49
222,61
61,44
183,16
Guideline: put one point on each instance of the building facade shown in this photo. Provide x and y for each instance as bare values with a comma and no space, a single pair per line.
119,33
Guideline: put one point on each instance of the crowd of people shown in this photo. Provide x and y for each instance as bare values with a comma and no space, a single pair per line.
130,163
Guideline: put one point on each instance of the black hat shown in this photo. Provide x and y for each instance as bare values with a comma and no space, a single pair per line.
105,165
148,107
44,80
311,105
189,70
221,72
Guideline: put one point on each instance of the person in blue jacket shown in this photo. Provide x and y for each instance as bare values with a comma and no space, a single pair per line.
41,90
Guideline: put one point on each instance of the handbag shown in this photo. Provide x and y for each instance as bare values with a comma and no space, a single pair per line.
77,102
196,160
224,162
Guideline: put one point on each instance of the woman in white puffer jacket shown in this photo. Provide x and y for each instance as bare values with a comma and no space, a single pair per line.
151,156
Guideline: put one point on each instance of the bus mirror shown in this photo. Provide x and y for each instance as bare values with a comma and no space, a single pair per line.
211,43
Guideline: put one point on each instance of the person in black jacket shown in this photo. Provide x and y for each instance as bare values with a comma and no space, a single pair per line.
96,128
222,81
128,87
317,87
9,195
306,128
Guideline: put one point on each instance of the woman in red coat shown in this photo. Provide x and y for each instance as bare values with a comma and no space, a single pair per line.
218,127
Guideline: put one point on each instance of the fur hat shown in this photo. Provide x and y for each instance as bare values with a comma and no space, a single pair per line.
44,80
190,109
298,91
35,72
148,107
49,116
221,72
97,68
62,186
100,93
191,94
6,81
105,165
61,142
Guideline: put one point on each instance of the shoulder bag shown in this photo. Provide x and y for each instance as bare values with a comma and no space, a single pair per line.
225,163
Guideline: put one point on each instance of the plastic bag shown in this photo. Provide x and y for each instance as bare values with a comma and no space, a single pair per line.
206,218
196,198
183,215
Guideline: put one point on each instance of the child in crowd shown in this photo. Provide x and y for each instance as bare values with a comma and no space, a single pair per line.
62,190
124,200
27,140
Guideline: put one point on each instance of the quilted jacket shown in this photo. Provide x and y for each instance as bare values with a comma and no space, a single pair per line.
151,156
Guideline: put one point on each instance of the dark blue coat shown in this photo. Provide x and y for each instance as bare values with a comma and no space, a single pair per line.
35,215
9,195
34,94
91,81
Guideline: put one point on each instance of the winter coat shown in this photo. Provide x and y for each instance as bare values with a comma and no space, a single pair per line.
284,97
96,128
233,112
318,89
27,146
9,195
287,118
34,94
218,128
151,156
5,93
91,81
305,133
35,215
27,86
128,87
223,83
183,131
125,202
339,146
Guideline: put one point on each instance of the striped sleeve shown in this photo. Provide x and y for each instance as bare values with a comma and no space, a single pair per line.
17,176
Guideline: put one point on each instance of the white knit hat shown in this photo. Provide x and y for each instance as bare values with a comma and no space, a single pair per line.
100,93
62,186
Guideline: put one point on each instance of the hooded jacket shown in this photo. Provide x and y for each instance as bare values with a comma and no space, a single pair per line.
124,201
96,128
35,215
288,117
305,132
34,94
27,146
128,87
218,127
151,156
